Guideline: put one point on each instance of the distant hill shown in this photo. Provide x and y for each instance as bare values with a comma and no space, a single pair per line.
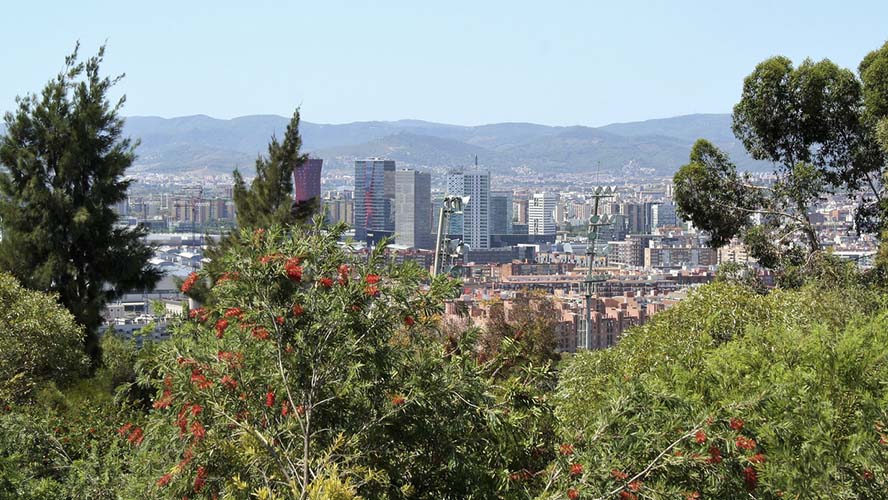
203,145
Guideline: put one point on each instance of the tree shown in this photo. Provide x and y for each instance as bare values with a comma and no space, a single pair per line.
310,368
808,120
269,199
733,394
39,341
65,163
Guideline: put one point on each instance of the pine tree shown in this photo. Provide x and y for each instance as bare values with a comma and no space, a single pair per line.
269,199
65,161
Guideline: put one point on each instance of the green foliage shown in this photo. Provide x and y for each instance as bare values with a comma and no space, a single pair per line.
39,341
730,393
65,163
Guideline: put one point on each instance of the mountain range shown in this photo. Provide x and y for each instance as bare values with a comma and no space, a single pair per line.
202,145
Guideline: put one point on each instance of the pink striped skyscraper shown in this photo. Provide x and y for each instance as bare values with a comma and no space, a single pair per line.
307,180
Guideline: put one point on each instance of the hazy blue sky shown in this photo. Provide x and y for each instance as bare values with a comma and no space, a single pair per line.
464,62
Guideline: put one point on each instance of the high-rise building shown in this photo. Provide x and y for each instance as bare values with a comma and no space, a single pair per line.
307,180
455,185
635,217
372,209
540,214
500,212
476,215
663,215
413,208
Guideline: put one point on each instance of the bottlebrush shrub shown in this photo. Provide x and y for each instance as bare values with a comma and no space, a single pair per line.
303,364
731,394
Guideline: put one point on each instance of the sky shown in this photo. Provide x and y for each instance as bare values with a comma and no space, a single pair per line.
462,62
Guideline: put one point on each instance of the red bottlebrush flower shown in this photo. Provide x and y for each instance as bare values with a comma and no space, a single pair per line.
372,279
736,424
356,308
576,469
229,382
189,282
344,270
221,325
200,480
758,458
745,443
196,313
625,495
165,401
164,480
693,495
198,430
868,475
196,409
199,379
573,494
635,486
409,321
260,333
293,269
398,400
715,455
371,290
289,349
883,440
182,420
226,276
285,409
269,399
234,312
566,449
700,436
619,475
300,410
750,477
325,282
125,428
280,320
297,310
135,438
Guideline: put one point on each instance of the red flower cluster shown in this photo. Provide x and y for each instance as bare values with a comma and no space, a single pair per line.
164,480
200,314
297,310
343,274
234,312
573,494
189,282
372,279
125,428
226,276
715,455
736,424
165,401
758,458
221,325
750,477
398,400
200,480
325,282
198,430
269,399
409,321
745,443
233,359
625,495
635,486
576,469
285,409
293,269
566,449
694,495
619,475
700,436
229,382
259,332
265,259
300,410
371,290
135,433
200,380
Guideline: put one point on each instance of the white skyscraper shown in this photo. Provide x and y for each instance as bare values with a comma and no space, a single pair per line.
540,214
476,216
